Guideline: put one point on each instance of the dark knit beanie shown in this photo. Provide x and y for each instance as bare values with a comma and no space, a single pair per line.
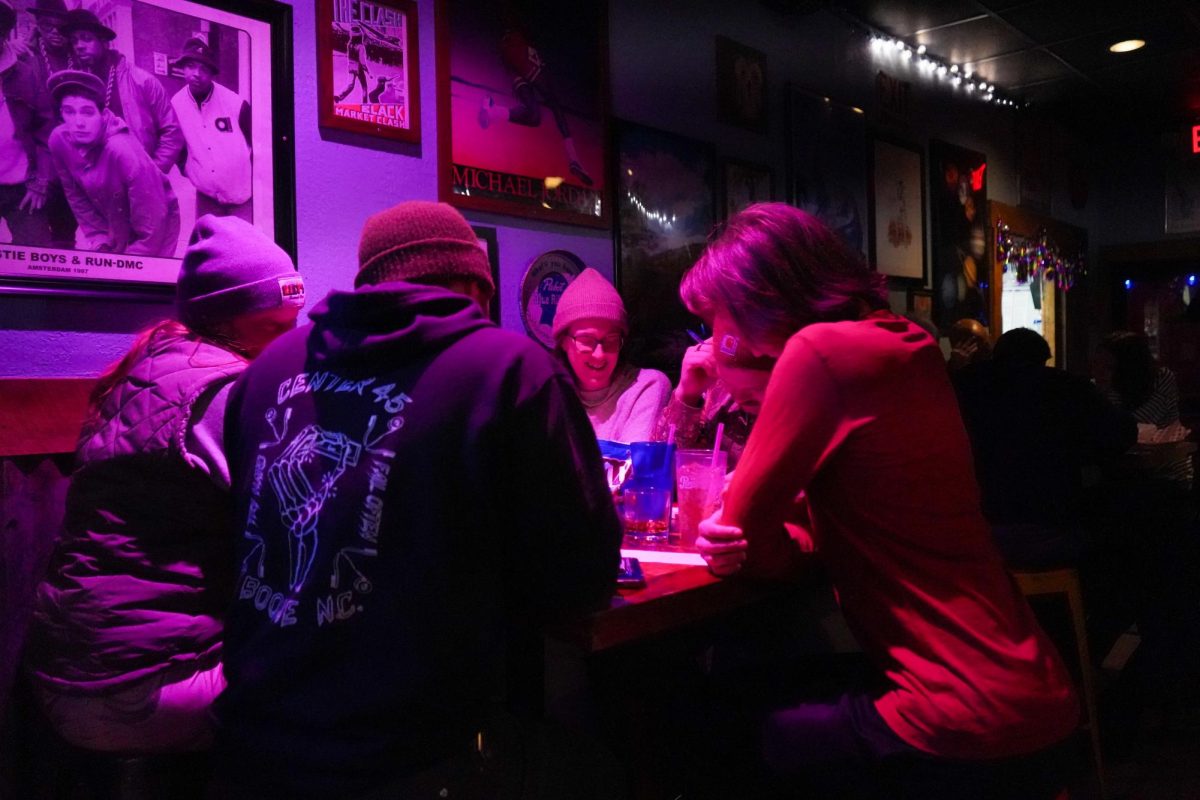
231,268
418,241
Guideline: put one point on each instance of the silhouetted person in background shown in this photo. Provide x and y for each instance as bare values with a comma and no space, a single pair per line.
1035,433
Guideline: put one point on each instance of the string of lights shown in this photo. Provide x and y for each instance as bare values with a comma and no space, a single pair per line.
1029,257
956,75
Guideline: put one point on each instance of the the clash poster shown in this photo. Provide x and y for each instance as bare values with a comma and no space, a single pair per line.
367,54
180,126
523,125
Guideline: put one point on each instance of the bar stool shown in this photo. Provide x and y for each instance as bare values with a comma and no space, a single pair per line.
1065,582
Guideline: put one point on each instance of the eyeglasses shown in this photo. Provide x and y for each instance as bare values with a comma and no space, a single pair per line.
587,344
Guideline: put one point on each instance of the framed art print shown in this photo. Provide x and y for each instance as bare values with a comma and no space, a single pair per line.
961,250
367,67
744,184
741,85
897,214
230,152
666,189
522,117
827,163
485,237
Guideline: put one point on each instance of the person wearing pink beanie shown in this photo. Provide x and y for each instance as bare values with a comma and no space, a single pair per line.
590,327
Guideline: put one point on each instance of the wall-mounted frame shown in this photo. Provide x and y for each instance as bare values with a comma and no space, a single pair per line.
920,306
897,203
961,245
827,163
744,183
490,246
1181,199
127,241
522,111
367,68
741,85
666,188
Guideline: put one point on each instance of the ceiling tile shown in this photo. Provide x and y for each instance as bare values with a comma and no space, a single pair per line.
1016,70
972,41
1050,21
1055,92
905,17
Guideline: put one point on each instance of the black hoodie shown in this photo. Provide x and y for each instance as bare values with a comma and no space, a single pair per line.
417,490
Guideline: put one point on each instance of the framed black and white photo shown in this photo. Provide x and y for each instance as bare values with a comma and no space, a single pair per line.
897,201
193,116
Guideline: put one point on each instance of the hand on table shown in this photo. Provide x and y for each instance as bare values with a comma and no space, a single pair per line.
722,546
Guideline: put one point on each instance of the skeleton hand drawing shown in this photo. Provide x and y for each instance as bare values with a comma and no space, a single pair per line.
300,503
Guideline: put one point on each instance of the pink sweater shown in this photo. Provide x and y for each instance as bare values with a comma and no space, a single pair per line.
861,417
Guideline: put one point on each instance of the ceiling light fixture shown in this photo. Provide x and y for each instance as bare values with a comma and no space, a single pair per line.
1127,46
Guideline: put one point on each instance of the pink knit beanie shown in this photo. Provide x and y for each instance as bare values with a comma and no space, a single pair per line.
589,296
419,239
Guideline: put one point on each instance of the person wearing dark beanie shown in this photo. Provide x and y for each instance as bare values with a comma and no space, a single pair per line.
423,242
391,462
125,650
590,327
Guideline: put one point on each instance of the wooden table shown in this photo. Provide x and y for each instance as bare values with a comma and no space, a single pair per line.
675,595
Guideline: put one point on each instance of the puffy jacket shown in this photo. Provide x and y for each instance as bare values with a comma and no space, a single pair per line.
142,575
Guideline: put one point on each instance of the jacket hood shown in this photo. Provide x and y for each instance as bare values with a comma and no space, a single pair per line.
395,318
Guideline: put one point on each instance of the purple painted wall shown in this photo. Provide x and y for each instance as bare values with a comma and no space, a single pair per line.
659,79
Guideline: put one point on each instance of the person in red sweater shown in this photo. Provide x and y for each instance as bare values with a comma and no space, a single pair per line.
860,453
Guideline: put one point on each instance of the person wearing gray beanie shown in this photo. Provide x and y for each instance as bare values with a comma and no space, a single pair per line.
590,326
127,631
234,279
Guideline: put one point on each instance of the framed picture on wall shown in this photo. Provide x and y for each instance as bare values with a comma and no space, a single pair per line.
1182,199
744,184
486,237
827,163
367,68
897,210
229,152
961,246
741,85
666,195
522,117
920,305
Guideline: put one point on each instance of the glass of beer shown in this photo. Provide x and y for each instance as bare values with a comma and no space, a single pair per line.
647,513
699,478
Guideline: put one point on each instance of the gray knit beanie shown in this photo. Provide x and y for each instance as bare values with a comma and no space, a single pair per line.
420,240
231,268
589,296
